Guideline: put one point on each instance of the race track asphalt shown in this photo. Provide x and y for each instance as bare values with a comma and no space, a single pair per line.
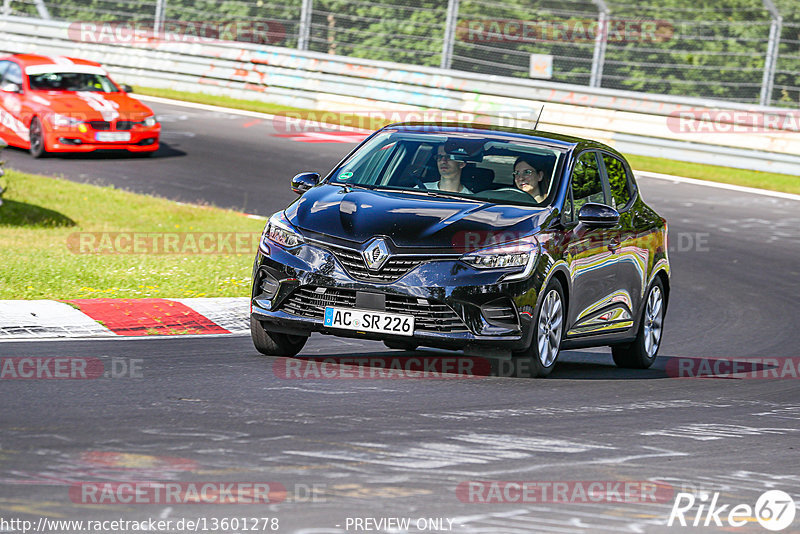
211,409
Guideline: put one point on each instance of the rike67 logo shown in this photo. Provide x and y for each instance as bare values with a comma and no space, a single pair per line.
774,510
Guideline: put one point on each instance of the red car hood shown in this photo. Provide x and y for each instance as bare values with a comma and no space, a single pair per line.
90,105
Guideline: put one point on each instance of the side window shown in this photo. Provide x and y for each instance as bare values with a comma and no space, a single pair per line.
13,74
3,67
618,182
586,184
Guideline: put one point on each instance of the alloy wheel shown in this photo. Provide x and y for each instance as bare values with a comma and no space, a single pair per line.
550,325
653,320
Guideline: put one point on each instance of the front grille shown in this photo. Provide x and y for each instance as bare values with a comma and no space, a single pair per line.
429,315
106,125
100,125
311,301
394,268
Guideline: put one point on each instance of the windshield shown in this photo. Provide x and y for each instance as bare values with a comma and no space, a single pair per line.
72,81
493,169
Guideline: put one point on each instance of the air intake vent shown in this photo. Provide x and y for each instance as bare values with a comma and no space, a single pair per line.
500,312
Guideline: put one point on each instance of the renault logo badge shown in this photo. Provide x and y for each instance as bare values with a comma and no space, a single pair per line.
375,254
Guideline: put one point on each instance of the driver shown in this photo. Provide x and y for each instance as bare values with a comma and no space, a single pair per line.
528,178
449,172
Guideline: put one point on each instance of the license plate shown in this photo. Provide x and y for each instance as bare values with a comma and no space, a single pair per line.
112,137
369,321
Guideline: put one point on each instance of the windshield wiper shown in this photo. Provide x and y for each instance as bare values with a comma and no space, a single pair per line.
446,194
348,186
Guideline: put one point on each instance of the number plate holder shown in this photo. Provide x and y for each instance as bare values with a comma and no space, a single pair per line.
369,321
112,137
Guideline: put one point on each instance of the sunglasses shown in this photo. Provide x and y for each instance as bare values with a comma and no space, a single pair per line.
526,172
442,157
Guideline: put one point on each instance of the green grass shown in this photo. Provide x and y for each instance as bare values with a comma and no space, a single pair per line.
40,216
713,173
763,180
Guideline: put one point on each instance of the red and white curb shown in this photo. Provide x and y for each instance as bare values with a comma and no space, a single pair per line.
21,319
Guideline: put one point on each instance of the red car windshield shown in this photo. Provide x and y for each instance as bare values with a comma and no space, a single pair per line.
72,81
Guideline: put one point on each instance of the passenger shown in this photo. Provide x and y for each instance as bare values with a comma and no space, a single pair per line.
528,178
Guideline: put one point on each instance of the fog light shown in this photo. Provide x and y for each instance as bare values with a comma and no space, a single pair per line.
500,312
268,285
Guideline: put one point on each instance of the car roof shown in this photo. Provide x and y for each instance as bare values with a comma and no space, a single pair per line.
559,141
27,60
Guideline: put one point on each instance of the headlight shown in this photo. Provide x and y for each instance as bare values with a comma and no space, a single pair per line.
519,254
150,121
279,230
64,121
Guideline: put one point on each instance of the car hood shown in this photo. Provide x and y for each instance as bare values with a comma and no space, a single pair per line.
410,220
90,105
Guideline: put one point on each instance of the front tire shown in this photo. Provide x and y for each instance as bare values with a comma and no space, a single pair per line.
273,343
642,352
36,137
549,321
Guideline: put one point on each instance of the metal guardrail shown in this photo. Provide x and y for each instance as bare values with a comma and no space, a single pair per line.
635,123
732,50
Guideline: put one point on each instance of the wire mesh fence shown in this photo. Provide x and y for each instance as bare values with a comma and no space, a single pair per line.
736,50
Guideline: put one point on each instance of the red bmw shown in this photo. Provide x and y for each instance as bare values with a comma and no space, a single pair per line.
61,104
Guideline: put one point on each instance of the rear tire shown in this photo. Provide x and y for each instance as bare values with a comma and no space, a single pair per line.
273,343
548,333
36,137
642,352
400,345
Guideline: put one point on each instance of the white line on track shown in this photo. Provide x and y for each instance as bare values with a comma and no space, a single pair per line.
718,185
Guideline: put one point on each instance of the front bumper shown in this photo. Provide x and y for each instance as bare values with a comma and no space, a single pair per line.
69,139
449,299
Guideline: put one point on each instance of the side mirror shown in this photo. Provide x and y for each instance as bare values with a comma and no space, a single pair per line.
125,87
304,181
11,87
598,215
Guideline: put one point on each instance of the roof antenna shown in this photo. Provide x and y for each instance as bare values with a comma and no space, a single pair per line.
538,117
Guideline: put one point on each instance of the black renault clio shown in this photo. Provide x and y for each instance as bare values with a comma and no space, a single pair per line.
495,241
